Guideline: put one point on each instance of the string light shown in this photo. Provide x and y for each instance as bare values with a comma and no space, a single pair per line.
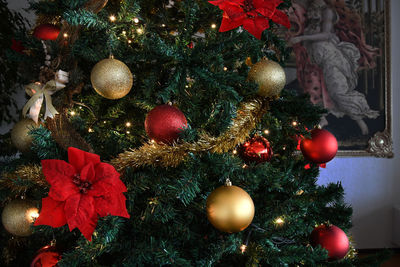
234,152
90,130
65,35
136,20
128,132
225,68
104,122
129,41
279,221
32,214
243,248
139,30
152,141
163,25
294,123
73,113
124,32
244,166
300,192
266,131
112,18
213,26
128,124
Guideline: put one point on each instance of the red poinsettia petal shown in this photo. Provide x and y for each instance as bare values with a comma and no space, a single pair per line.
113,204
256,26
88,173
107,176
55,170
52,213
281,18
79,158
228,24
79,209
88,227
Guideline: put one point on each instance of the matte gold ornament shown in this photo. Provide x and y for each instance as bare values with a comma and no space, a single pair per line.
111,78
18,216
20,134
269,76
229,208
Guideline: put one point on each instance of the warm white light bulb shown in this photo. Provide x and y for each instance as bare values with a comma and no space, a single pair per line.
279,221
112,18
136,20
213,25
266,131
243,248
128,124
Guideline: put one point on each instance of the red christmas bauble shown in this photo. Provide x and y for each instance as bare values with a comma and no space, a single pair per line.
331,238
17,46
164,123
46,32
321,148
257,150
47,256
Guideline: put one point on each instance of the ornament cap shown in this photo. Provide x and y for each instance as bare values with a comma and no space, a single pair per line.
228,182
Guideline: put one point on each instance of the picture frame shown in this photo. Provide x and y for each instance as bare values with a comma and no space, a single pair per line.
346,69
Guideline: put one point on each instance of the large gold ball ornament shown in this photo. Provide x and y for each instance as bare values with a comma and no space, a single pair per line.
18,216
230,209
269,76
20,136
111,78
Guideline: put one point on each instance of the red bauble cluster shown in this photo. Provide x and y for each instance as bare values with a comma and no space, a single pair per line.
256,150
331,238
47,256
46,32
164,123
321,148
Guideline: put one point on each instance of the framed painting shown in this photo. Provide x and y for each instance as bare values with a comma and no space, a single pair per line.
341,58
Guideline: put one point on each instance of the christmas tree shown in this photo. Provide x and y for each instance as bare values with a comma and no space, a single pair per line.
166,139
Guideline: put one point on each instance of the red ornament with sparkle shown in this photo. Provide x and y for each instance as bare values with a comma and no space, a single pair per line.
80,192
164,123
257,150
331,238
254,15
47,256
321,148
46,32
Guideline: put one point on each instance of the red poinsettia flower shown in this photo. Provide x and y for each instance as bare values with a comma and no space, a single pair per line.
80,192
254,15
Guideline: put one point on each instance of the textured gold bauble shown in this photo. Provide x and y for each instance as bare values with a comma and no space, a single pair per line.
230,209
269,76
111,78
20,136
18,216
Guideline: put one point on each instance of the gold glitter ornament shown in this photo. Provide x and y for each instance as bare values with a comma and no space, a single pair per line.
111,78
229,208
20,136
18,216
269,76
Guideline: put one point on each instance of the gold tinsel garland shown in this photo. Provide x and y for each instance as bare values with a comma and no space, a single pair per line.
171,156
153,154
31,173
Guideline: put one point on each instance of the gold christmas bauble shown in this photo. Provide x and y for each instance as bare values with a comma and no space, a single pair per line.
111,78
269,76
230,209
18,216
20,136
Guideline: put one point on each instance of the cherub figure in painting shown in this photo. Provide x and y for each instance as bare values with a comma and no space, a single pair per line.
330,49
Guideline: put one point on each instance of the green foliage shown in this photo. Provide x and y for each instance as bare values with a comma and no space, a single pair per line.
12,26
